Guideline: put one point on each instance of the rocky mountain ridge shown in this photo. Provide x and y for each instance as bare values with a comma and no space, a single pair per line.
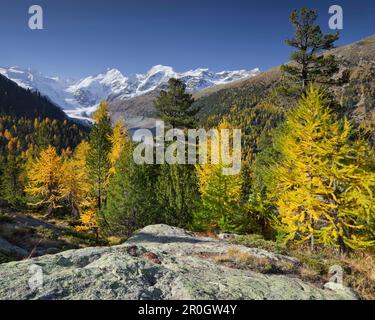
79,98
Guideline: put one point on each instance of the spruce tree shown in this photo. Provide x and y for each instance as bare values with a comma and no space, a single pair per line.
98,161
177,188
12,186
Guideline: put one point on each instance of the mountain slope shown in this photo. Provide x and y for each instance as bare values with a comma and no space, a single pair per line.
20,102
357,96
80,98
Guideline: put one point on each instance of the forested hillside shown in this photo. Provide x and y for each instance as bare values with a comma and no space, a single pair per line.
356,97
19,102
305,186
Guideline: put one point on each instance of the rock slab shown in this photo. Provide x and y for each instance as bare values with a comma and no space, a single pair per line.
159,262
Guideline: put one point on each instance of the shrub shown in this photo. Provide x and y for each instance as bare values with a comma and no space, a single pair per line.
46,233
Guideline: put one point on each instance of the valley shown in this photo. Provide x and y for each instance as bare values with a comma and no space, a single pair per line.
279,206
131,97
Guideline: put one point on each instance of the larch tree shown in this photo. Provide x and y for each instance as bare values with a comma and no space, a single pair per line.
75,182
323,190
88,217
118,139
220,208
44,177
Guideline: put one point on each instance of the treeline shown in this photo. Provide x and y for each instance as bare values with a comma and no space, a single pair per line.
312,182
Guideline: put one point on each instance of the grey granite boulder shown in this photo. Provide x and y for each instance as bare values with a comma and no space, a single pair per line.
159,262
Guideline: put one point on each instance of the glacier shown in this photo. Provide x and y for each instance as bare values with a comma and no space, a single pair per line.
80,98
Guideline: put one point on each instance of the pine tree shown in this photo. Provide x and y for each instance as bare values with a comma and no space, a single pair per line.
98,157
309,65
121,218
323,188
220,195
175,106
132,202
44,176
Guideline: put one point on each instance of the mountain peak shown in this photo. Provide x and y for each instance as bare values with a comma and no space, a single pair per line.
80,97
160,68
113,72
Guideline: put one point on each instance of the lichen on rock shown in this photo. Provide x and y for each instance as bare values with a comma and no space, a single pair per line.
159,262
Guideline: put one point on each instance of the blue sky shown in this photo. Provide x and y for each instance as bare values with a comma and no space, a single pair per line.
89,36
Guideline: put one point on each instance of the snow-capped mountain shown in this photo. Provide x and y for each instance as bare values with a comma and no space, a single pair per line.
79,98
53,87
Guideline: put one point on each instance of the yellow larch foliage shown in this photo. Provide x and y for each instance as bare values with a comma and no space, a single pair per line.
323,191
44,175
118,140
75,184
7,134
220,193
102,111
88,217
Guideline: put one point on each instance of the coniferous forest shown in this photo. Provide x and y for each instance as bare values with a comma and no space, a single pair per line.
306,187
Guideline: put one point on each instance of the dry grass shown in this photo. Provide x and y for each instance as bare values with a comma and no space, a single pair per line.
238,259
361,277
115,240
359,268
206,234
